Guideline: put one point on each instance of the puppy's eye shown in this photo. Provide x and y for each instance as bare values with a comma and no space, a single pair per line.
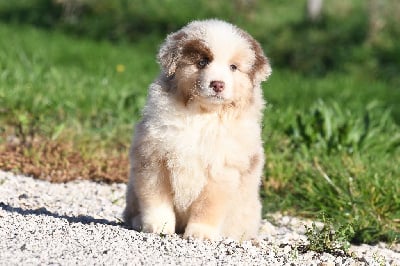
203,63
233,67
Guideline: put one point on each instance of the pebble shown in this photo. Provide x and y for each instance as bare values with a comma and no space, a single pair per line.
80,223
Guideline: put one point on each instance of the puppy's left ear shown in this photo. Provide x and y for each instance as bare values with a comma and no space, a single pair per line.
261,68
170,52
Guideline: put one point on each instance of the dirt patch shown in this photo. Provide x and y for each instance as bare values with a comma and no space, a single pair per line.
60,161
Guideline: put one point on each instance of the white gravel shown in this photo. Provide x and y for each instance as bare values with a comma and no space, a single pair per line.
78,223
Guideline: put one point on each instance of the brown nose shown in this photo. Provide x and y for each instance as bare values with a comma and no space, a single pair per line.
217,86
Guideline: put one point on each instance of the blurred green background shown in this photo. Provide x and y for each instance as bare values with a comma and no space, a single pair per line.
361,36
77,71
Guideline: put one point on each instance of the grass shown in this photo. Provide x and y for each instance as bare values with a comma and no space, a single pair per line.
47,89
51,77
68,104
328,238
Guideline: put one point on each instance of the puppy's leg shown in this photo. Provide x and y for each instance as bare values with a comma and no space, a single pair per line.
154,195
131,213
244,217
208,212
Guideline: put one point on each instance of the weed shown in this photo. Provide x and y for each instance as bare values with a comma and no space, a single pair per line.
162,234
119,221
379,259
327,239
294,253
117,200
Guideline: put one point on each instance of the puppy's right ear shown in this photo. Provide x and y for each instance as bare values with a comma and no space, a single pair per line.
170,52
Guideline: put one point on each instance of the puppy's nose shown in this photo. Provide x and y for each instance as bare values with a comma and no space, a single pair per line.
218,86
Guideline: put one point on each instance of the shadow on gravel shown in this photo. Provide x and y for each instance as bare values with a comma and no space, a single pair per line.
83,219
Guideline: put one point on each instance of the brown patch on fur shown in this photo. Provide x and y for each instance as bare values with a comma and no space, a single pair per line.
185,87
254,162
170,53
204,110
261,64
179,36
195,50
192,52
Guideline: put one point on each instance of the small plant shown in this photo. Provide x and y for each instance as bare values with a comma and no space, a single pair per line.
162,234
379,259
25,127
327,239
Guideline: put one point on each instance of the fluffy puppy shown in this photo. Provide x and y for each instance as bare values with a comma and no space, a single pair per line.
197,155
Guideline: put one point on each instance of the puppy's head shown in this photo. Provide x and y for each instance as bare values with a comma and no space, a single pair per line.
213,63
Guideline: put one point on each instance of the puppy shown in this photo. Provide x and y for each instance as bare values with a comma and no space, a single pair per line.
197,154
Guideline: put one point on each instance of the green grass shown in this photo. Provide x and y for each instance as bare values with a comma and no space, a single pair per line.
344,163
332,143
329,238
50,78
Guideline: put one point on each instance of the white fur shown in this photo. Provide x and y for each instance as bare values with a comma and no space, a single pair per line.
197,156
160,219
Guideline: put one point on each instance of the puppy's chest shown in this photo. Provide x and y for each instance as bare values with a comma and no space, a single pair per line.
197,149
210,141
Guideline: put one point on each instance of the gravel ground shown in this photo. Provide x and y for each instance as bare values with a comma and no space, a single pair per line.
79,223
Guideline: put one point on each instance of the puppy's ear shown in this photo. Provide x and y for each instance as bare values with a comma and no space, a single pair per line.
261,68
170,52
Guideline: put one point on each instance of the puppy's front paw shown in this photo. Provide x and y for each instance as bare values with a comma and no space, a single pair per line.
160,220
201,231
159,227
